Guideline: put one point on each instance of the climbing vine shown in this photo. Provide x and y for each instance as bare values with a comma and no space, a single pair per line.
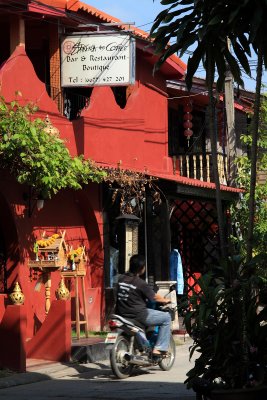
130,187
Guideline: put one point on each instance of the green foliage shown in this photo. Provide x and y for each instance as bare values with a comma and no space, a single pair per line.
38,158
227,320
210,24
240,212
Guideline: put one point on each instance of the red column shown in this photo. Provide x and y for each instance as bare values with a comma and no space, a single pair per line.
12,338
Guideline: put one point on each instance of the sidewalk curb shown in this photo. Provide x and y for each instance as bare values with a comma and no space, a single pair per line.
84,353
45,373
23,378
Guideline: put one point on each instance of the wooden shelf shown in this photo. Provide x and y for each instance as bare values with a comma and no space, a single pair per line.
45,264
72,274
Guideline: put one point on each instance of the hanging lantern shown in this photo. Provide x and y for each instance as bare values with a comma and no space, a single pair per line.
187,121
188,124
188,116
188,133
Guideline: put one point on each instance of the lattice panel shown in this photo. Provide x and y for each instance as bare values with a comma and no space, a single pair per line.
194,232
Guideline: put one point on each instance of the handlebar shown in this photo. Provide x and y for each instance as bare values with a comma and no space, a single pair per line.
167,306
171,310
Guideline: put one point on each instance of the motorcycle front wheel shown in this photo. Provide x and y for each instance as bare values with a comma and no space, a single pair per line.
167,362
120,367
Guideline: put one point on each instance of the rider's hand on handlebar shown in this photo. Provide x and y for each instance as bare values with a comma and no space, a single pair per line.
167,301
161,299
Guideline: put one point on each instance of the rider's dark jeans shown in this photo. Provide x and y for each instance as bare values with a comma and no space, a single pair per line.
163,320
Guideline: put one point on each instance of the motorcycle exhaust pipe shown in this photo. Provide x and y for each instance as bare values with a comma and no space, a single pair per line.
136,360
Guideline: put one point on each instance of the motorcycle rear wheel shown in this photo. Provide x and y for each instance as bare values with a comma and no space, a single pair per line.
120,367
167,362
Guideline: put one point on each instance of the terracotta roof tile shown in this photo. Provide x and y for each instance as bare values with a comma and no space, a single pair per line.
195,182
177,178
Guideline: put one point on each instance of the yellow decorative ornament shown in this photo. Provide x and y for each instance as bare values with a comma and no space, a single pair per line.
75,253
17,297
62,292
46,242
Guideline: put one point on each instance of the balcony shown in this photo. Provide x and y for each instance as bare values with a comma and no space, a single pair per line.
199,166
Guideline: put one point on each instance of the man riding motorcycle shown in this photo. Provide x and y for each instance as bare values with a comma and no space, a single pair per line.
133,294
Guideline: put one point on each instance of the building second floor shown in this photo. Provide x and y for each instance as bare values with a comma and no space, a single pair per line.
152,124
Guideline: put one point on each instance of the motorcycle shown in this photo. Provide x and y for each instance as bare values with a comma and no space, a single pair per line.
131,345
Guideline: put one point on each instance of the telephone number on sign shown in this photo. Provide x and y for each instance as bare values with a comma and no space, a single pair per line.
106,79
113,78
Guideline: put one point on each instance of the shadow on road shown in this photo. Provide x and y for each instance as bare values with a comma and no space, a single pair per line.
98,383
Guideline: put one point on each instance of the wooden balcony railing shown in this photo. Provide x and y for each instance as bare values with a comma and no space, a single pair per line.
199,166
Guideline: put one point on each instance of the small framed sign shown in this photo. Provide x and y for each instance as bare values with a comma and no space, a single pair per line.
98,60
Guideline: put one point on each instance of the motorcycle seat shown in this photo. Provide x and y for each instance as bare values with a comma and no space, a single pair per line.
130,322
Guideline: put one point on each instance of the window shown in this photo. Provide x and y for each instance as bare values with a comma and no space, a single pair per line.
5,39
175,129
177,141
75,100
120,94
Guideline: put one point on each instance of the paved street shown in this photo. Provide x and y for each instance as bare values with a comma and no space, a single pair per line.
96,382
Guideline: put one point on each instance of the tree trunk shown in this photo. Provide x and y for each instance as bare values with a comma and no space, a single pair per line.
254,155
213,141
230,118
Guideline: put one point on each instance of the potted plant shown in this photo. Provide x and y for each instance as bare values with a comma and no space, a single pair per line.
227,320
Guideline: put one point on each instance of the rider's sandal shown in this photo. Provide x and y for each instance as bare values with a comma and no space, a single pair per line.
157,357
159,352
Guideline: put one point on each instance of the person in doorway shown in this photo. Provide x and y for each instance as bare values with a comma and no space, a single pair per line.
133,294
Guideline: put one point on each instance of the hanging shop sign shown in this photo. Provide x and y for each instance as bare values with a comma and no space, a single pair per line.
98,60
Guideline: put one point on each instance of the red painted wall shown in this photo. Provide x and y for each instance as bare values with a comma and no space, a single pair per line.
136,135
53,340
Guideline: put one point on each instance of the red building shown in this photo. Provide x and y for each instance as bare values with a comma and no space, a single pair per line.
139,127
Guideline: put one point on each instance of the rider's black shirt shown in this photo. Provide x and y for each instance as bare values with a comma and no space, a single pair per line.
132,295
